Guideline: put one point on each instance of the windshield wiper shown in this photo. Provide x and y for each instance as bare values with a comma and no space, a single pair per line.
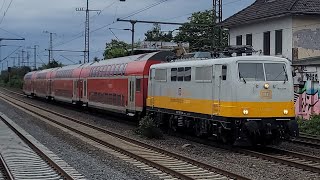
242,78
285,73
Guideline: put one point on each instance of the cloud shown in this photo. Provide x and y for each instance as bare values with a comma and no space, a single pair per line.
29,18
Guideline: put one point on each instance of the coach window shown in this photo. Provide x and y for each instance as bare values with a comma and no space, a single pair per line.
174,72
124,69
121,70
138,85
113,67
108,70
118,70
187,74
224,72
180,73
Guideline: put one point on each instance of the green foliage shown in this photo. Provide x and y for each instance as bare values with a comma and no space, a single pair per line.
52,64
148,128
155,34
311,126
15,78
116,49
201,37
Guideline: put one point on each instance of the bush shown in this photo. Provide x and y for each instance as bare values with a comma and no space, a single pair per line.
311,126
148,128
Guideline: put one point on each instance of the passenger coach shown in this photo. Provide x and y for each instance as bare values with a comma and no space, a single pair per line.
237,100
118,85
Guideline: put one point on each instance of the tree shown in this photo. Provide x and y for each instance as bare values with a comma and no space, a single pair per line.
201,37
116,49
52,64
155,34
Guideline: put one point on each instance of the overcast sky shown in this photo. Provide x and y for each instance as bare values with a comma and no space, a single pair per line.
31,18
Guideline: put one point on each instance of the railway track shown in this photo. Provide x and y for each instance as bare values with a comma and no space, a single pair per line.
165,164
24,158
4,170
307,140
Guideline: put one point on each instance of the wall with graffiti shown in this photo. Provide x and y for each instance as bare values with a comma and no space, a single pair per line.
307,92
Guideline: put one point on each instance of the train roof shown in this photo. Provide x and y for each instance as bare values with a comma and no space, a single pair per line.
219,61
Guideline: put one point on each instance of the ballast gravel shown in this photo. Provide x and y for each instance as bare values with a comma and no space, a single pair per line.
90,161
250,167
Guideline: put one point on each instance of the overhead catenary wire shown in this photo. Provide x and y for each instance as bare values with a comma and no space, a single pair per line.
144,9
4,14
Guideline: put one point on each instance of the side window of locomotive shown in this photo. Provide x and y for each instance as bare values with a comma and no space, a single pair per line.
180,74
138,85
203,74
224,72
174,72
161,74
187,74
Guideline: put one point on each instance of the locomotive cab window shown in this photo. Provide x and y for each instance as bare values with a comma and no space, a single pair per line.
174,74
224,72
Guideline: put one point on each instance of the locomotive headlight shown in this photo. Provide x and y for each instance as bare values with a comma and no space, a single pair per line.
285,112
245,111
266,86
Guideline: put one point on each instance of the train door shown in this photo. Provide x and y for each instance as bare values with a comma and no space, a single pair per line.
48,88
84,91
151,88
80,89
75,90
131,93
217,72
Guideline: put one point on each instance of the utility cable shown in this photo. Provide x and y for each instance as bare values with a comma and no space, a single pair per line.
6,11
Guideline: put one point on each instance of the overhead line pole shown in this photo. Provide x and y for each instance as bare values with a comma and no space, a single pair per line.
87,32
8,39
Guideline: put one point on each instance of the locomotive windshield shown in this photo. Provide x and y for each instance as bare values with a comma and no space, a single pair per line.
251,71
275,72
255,72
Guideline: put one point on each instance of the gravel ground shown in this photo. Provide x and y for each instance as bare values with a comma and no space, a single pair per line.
247,166
300,148
86,159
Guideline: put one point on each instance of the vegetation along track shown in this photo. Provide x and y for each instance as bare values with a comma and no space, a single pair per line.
23,158
176,165
307,140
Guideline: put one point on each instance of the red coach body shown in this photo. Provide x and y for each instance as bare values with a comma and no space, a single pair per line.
118,85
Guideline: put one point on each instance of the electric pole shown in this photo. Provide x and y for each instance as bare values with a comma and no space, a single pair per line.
14,61
217,18
87,32
35,56
50,46
22,57
28,57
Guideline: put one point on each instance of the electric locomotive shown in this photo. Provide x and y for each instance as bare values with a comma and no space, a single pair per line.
239,100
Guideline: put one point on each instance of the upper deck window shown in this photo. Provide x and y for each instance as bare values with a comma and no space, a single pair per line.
275,71
251,71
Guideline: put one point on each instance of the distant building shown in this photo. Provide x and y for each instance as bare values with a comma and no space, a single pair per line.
285,28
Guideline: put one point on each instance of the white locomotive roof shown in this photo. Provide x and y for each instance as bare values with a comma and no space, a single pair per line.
218,61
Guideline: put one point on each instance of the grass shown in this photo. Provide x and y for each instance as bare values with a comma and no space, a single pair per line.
311,126
148,128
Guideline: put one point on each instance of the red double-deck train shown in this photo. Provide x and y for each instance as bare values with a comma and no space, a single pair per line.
118,85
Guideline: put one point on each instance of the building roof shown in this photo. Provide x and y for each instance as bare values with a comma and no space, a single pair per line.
267,9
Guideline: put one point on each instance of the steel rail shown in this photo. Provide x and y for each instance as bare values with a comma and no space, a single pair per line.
164,169
62,172
5,169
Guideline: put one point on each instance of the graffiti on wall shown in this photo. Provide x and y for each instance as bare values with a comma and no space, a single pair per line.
307,97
